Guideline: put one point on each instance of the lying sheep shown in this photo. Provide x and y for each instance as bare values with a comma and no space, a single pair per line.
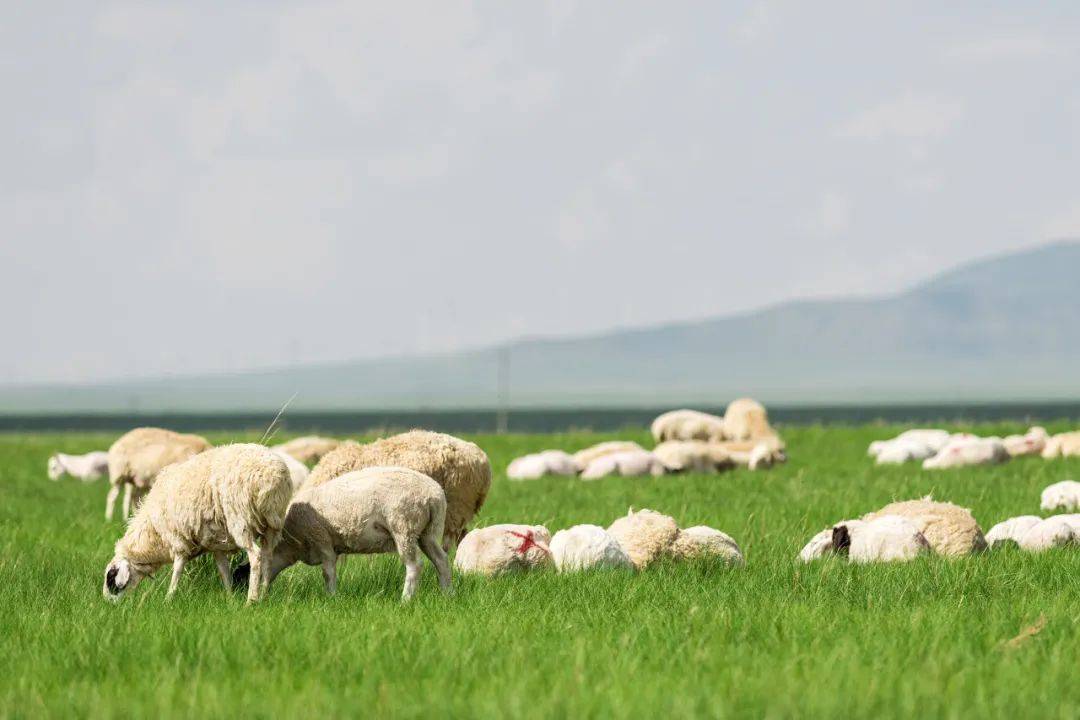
926,442
538,465
1062,445
88,467
701,541
228,498
692,456
308,449
587,547
1064,495
886,538
688,425
582,458
746,419
965,451
1033,442
369,511
500,549
900,451
1011,530
645,536
298,471
950,529
137,457
822,544
460,467
1054,531
632,463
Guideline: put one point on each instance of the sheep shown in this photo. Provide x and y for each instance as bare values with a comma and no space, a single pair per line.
753,454
1062,445
582,458
1031,443
688,425
224,499
309,448
645,535
1064,495
537,465
702,541
1054,531
1011,530
298,471
460,467
500,549
951,530
88,467
369,511
885,538
692,456
822,543
746,419
137,457
960,452
931,441
585,547
900,451
632,463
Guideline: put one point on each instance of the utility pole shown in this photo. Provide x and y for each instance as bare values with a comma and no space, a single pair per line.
502,414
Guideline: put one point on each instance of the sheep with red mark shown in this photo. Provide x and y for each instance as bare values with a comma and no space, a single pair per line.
501,549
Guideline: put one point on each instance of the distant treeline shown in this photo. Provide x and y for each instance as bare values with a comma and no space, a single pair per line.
530,420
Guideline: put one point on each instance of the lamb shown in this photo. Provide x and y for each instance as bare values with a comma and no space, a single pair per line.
582,458
960,452
632,463
374,510
137,457
644,535
228,498
298,471
951,530
501,549
688,425
460,467
1062,445
537,465
1054,531
886,538
88,467
1031,443
701,541
586,547
309,448
1064,495
1011,530
692,456
746,419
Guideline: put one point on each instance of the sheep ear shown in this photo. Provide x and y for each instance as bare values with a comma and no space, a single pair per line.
841,539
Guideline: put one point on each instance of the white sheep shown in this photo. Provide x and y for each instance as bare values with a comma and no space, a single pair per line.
582,458
585,547
928,441
1033,442
1064,495
645,535
88,467
688,425
137,457
1054,531
541,464
228,498
822,543
298,471
746,419
1062,445
887,538
1012,529
950,529
500,549
369,511
965,451
701,541
631,463
309,448
900,451
695,456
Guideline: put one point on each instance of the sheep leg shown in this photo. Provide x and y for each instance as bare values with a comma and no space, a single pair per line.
110,501
177,568
128,489
255,557
222,561
410,555
329,573
437,556
269,542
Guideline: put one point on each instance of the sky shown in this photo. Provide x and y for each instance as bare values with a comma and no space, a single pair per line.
213,187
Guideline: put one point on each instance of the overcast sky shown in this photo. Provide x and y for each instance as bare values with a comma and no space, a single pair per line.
190,187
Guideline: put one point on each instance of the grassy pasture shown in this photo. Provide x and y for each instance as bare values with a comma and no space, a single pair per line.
772,639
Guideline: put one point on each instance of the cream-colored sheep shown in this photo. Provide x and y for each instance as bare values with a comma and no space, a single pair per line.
693,456
1033,442
645,535
965,451
1064,495
500,549
309,448
1054,531
582,458
298,471
228,498
886,538
688,425
1062,445
369,511
137,457
701,541
88,467
1012,529
541,464
746,419
585,547
460,467
950,529
822,543
754,454
632,463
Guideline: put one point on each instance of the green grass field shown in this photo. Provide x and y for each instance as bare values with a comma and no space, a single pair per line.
772,639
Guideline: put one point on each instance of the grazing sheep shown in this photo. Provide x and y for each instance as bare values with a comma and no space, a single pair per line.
692,456
746,419
369,511
1054,531
950,529
928,441
309,448
585,547
1064,495
1011,530
298,471
632,463
702,541
228,498
961,452
538,465
688,425
645,535
886,538
1062,445
582,458
88,467
1031,443
460,467
137,457
499,549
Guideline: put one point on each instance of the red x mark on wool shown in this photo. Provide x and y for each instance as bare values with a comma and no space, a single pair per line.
528,541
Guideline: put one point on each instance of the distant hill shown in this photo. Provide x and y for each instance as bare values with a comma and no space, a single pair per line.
1004,328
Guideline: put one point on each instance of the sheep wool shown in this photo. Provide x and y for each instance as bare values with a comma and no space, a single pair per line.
309,448
1054,531
695,456
964,451
1062,445
137,457
1031,443
228,498
501,549
887,538
702,541
746,419
645,535
541,464
687,425
298,471
587,547
632,463
1011,530
582,458
951,530
1064,495
460,467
